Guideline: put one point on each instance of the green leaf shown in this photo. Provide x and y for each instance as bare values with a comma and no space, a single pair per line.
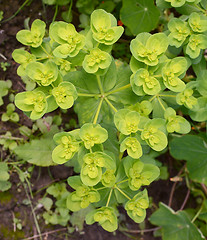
5,185
175,225
96,61
200,112
46,202
202,86
193,149
4,89
4,176
144,13
77,218
105,216
35,36
65,94
136,207
37,151
57,189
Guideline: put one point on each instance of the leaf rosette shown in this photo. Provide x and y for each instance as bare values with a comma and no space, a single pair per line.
66,149
32,101
142,83
65,95
127,121
186,98
64,66
104,27
197,22
133,147
93,134
196,43
44,74
179,31
105,216
136,207
96,61
23,58
176,123
171,72
34,37
144,108
153,136
93,163
108,178
139,174
69,40
149,48
81,198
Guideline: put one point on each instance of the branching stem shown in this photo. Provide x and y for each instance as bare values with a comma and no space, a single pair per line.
161,103
98,111
118,89
122,192
88,95
110,104
109,197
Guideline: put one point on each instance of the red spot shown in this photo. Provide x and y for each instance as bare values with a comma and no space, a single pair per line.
102,2
120,23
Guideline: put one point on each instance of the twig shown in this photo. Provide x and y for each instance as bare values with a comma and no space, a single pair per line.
46,233
141,231
173,187
186,199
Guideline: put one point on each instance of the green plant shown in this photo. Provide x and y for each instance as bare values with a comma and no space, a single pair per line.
10,115
5,65
125,111
4,89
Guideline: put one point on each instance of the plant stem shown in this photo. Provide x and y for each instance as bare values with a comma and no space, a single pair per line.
33,212
97,189
122,192
30,202
161,103
45,51
110,104
98,111
198,213
88,95
162,95
100,85
185,200
122,181
118,89
109,197
55,14
202,10
152,98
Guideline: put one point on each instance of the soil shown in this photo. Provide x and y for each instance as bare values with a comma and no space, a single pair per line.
12,202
